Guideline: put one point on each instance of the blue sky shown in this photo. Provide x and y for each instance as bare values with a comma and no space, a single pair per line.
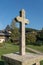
9,9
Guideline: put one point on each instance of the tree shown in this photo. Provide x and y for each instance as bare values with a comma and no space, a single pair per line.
30,38
13,24
14,32
40,35
7,28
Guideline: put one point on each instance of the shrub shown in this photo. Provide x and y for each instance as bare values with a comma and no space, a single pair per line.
30,38
38,43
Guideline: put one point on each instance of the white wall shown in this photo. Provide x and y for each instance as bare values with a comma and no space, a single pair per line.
2,40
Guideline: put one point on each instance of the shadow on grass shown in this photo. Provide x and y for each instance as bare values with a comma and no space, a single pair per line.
1,62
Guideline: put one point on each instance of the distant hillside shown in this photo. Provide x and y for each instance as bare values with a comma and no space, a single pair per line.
30,30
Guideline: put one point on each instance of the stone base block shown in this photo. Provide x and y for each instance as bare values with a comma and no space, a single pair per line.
28,59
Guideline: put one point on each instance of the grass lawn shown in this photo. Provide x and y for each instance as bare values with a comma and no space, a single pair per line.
39,48
15,48
9,48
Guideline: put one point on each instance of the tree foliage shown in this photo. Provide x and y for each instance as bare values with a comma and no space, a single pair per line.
13,24
14,32
30,38
7,28
40,35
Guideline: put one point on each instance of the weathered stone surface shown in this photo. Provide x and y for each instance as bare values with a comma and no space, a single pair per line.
28,59
22,20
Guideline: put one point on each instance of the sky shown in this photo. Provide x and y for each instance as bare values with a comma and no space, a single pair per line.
9,9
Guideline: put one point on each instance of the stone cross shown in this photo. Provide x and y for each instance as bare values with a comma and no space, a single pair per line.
22,21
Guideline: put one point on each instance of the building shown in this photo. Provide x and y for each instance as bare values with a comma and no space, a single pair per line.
4,36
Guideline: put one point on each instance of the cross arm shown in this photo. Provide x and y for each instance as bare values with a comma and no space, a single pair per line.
20,19
26,21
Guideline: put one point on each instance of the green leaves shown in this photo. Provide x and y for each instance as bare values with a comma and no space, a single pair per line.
30,38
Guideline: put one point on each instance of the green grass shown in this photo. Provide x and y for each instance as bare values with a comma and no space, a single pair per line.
9,48
39,48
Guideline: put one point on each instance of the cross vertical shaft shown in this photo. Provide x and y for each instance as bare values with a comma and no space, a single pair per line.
22,21
22,41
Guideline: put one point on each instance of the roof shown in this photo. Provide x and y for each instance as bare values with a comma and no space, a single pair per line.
4,34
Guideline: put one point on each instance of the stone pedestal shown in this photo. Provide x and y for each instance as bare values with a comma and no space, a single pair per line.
28,59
